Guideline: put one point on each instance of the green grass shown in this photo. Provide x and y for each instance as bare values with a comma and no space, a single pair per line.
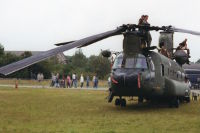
84,111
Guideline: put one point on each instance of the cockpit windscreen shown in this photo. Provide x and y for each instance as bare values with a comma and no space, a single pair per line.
133,62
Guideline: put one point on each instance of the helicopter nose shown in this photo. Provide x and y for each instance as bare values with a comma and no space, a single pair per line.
127,80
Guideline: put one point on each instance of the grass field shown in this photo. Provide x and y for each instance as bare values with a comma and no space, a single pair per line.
86,111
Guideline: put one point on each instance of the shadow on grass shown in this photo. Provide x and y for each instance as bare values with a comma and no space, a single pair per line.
147,106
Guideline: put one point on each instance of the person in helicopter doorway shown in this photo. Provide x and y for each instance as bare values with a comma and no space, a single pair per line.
183,46
143,21
163,50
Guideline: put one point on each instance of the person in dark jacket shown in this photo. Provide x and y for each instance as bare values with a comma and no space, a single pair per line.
163,50
143,21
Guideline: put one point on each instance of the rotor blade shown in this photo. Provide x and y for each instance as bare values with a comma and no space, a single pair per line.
13,67
185,31
63,43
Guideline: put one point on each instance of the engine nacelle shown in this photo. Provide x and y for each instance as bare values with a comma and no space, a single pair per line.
181,57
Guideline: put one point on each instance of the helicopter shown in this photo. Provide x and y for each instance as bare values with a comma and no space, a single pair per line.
137,70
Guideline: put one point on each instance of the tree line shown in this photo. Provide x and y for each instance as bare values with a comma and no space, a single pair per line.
78,63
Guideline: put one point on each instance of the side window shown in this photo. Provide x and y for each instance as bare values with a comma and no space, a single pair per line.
162,70
182,75
152,65
179,75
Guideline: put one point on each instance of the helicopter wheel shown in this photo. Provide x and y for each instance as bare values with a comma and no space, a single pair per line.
140,99
187,99
123,103
117,102
175,102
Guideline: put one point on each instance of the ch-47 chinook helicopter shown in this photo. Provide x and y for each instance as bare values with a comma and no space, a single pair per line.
137,71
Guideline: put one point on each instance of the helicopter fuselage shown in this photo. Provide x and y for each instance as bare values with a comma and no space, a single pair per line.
148,77
146,74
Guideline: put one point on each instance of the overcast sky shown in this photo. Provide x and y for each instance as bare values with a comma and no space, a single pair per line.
35,25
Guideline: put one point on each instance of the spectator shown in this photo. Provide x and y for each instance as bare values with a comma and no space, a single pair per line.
81,80
68,81
88,81
93,80
57,80
73,79
53,79
38,77
109,82
63,81
188,82
194,96
96,82
41,77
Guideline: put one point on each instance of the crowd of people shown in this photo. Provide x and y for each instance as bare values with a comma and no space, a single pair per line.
73,81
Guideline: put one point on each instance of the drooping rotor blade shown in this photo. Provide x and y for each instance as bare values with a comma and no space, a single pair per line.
185,31
63,43
13,67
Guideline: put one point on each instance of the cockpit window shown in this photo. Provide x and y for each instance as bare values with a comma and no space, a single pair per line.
134,62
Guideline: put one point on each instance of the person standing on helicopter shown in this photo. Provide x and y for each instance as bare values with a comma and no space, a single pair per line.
163,50
183,46
143,21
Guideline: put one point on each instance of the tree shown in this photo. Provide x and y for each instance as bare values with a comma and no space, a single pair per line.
99,65
79,61
198,61
1,55
26,54
1,50
9,58
42,67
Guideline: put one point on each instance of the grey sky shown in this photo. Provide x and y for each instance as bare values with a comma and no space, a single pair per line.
38,24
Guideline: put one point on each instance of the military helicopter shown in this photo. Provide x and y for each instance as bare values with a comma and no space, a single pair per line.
137,71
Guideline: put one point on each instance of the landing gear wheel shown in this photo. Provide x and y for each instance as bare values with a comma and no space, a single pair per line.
187,99
123,103
117,102
177,102
140,99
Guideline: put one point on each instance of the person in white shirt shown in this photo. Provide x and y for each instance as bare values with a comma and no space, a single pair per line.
74,79
109,81
81,80
93,79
